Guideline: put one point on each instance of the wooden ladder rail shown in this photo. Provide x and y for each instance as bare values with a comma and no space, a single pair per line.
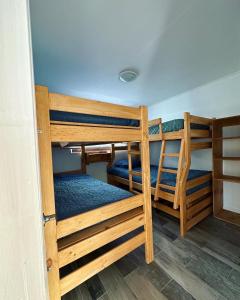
131,173
178,173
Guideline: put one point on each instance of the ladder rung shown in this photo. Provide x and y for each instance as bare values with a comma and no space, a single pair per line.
135,173
169,171
171,154
134,152
167,187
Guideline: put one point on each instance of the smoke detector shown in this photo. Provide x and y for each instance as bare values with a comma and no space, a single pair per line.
128,75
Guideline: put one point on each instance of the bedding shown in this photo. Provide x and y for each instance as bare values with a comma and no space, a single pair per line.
78,193
166,178
90,119
123,163
175,125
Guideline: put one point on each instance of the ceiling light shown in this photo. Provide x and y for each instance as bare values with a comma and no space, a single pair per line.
128,75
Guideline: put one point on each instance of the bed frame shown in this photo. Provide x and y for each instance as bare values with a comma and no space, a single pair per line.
189,209
72,238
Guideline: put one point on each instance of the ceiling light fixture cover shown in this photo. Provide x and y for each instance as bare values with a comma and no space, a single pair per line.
128,75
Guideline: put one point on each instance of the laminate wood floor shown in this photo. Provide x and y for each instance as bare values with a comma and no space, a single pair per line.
204,265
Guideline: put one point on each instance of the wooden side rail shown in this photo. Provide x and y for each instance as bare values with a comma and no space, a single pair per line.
63,133
99,239
201,120
84,220
84,106
77,277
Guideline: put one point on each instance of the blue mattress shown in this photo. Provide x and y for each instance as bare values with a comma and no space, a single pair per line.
75,194
166,178
85,118
175,125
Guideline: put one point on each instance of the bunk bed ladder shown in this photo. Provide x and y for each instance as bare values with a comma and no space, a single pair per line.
132,173
178,172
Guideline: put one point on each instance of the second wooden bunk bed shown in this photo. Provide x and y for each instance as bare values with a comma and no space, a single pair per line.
181,192
68,239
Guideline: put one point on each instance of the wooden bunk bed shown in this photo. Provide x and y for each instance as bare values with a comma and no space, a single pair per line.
183,193
70,237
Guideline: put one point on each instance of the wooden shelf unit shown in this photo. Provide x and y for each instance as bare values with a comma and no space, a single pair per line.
218,176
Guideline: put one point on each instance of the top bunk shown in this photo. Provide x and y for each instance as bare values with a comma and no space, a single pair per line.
73,119
190,127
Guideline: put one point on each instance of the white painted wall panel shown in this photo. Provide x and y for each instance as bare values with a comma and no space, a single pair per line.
21,244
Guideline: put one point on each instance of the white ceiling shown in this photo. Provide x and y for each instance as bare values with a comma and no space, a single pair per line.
80,46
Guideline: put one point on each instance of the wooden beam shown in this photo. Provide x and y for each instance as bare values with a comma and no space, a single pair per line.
84,106
169,210
71,133
197,181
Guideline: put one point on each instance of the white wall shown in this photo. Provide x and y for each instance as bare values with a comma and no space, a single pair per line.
63,161
220,98
21,242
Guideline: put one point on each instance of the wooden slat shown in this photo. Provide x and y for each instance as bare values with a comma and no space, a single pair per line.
193,210
154,122
91,125
175,135
134,152
228,158
200,145
87,219
202,215
91,231
198,194
169,210
92,107
135,173
197,133
171,154
200,120
228,121
77,277
125,181
168,171
98,240
167,187
155,137
62,133
165,195
197,181
227,138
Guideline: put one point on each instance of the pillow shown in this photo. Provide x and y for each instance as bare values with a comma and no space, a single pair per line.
123,163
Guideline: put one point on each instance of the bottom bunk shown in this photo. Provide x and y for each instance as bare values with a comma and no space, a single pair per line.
91,214
194,206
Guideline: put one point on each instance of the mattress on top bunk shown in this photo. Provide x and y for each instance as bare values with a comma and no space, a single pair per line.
166,178
78,193
63,116
175,125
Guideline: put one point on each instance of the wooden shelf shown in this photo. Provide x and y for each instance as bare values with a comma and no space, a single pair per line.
228,158
229,178
218,177
227,138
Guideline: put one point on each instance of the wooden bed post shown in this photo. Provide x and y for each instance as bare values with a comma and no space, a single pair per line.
187,162
47,189
145,158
